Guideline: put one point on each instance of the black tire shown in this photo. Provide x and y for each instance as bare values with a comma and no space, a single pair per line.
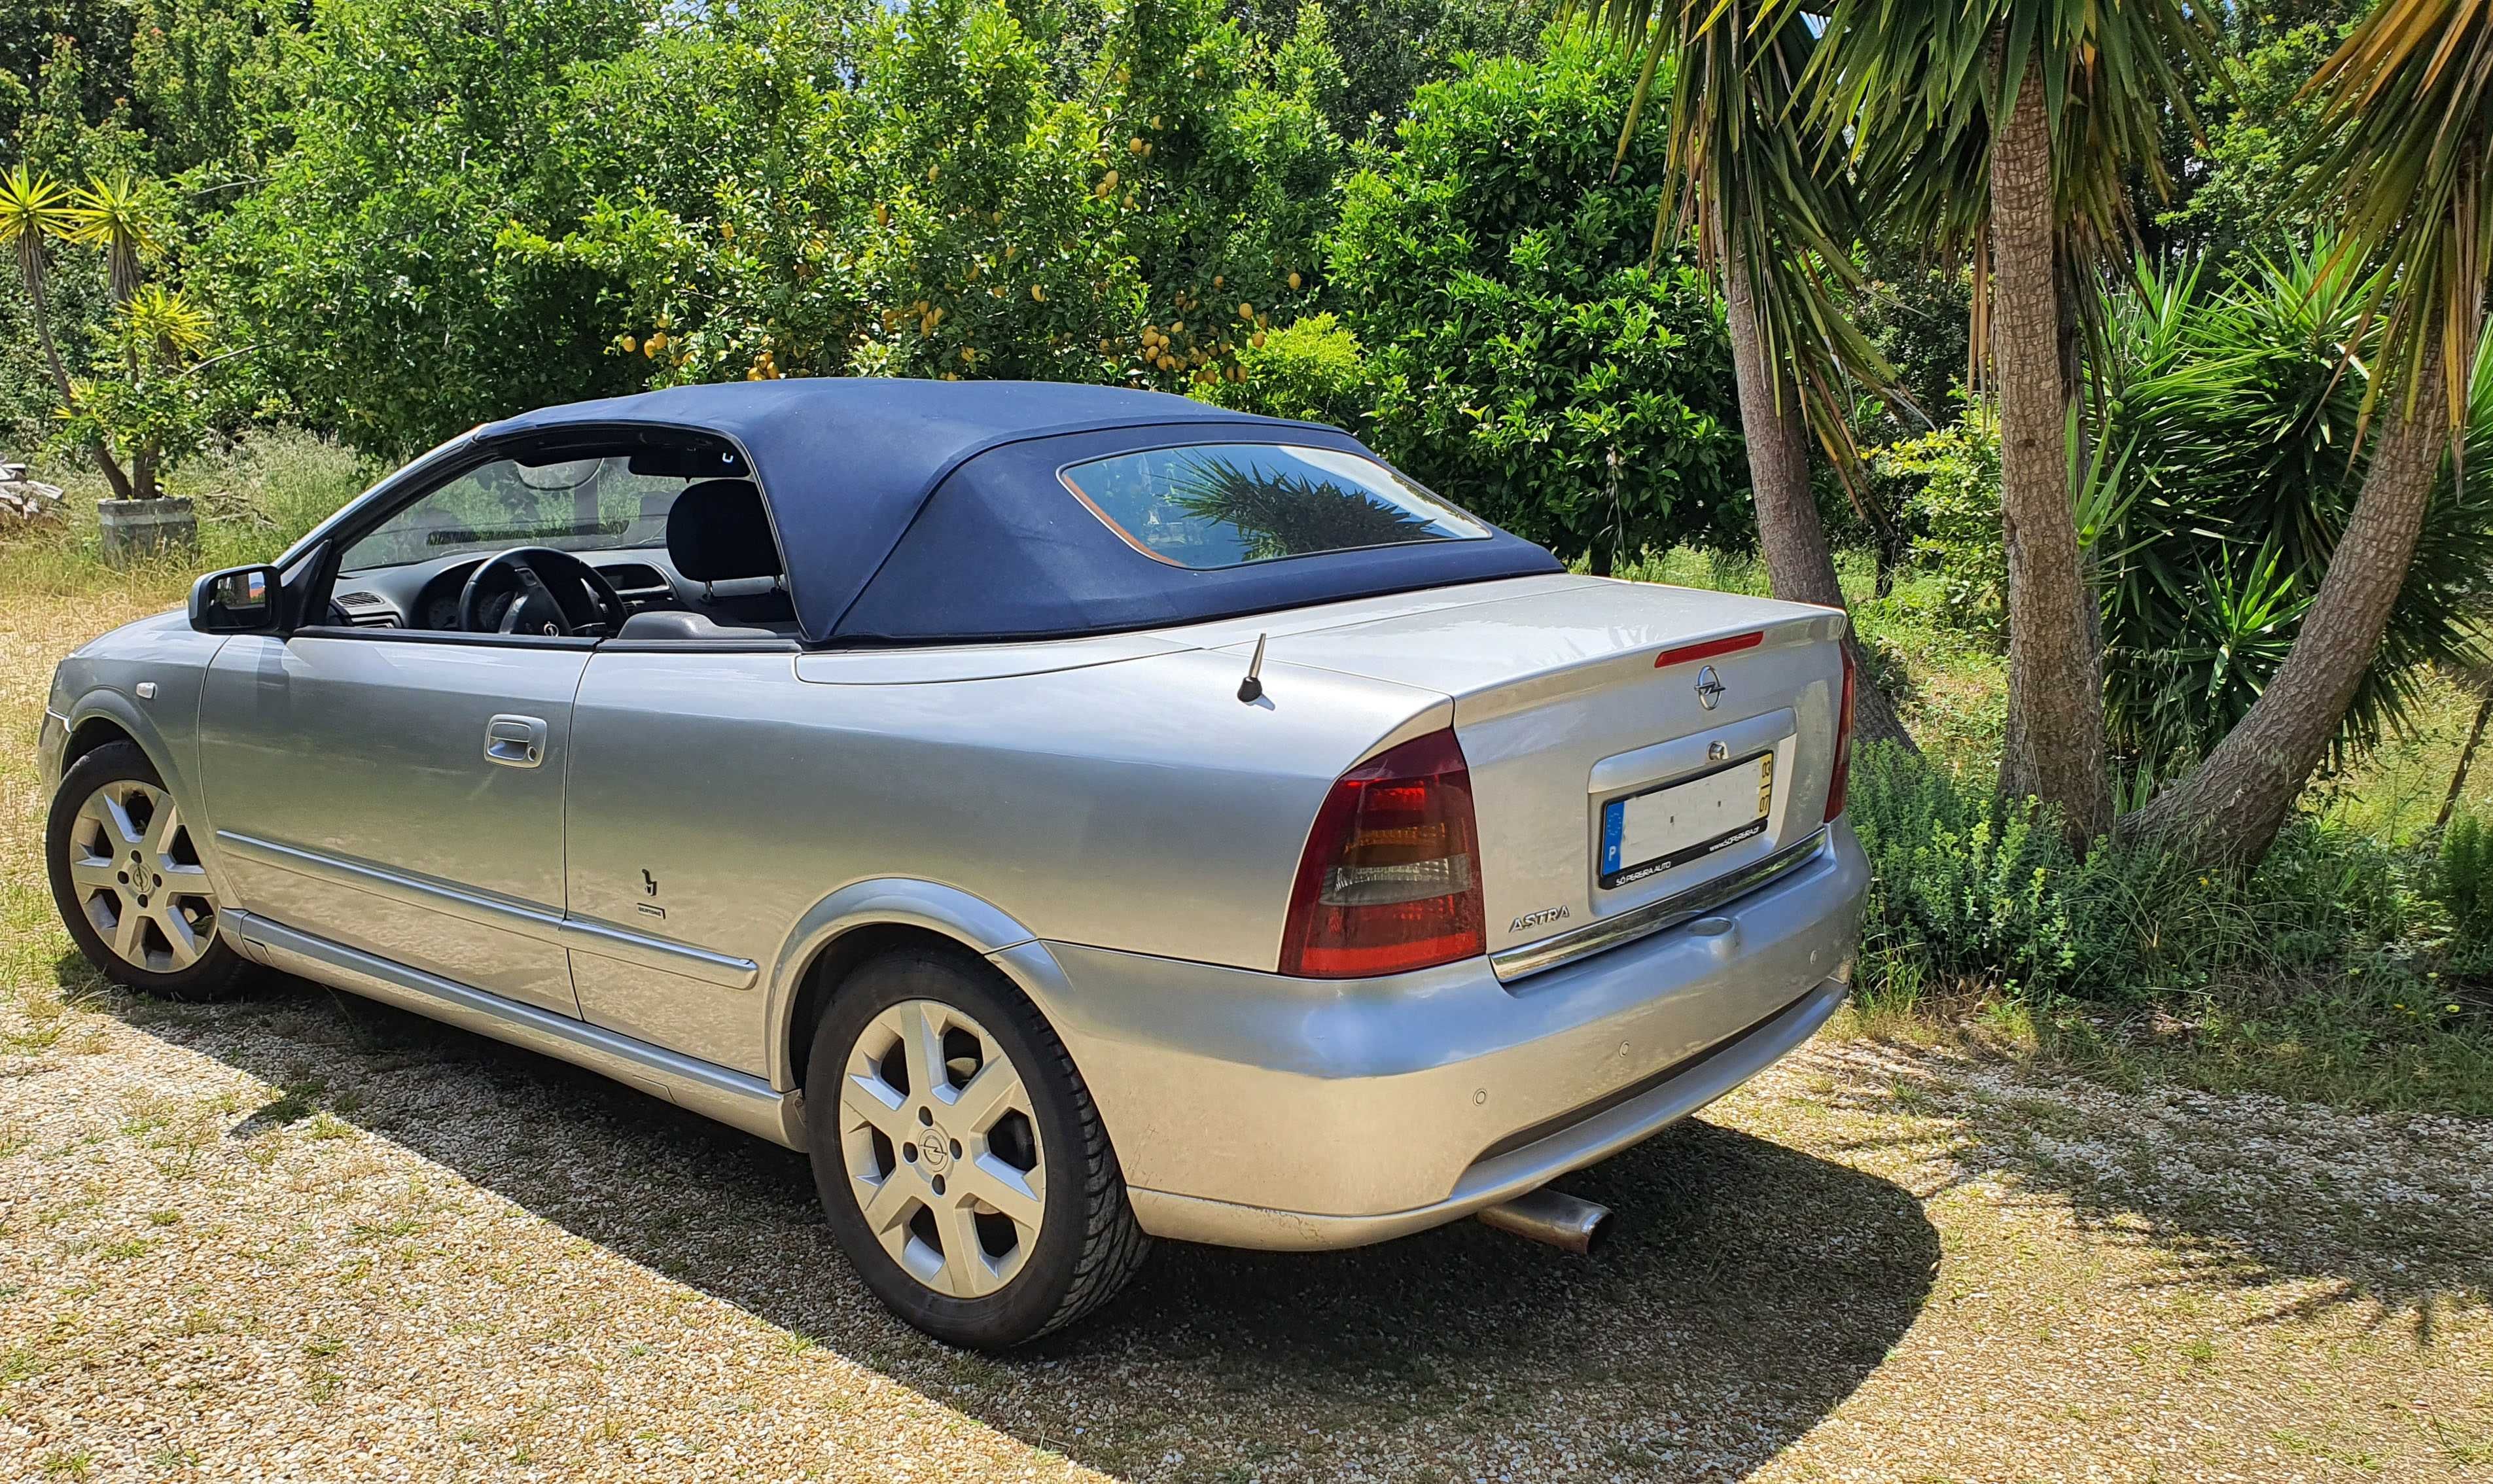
216,973
1089,1244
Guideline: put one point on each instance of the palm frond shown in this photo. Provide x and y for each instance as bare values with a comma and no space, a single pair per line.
1746,174
2405,144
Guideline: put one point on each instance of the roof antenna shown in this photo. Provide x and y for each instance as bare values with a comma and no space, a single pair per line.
1251,689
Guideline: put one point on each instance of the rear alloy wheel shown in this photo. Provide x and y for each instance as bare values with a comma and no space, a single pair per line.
127,877
959,1157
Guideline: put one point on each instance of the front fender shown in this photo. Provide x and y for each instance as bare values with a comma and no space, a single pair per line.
105,704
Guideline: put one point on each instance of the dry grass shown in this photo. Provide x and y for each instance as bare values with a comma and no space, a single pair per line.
301,1236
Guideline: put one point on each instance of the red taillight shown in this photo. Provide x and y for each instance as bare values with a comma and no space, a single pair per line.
1836,786
1390,880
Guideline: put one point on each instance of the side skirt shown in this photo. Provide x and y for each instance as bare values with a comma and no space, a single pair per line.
730,1097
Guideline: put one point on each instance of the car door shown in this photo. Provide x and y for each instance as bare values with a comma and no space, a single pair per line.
400,793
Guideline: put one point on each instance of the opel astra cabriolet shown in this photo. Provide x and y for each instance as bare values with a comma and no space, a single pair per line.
1069,815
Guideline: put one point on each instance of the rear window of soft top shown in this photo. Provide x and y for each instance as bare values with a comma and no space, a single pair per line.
1206,506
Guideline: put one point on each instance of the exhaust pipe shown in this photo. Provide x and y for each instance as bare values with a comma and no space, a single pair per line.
1547,1216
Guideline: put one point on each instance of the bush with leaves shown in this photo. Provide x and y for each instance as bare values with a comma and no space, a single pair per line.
1952,480
371,269
1522,354
1311,369
2239,407
2462,883
1970,886
149,395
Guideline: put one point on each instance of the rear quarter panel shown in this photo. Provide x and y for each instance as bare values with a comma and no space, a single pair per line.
1135,804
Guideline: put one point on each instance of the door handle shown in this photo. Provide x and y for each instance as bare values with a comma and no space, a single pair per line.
515,741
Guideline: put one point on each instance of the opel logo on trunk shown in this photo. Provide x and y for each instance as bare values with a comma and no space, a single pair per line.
1710,687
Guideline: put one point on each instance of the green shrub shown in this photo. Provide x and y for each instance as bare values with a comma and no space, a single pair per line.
2462,880
1309,369
1969,888
1954,477
2240,402
1526,354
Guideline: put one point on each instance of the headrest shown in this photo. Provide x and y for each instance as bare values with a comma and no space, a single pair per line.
716,532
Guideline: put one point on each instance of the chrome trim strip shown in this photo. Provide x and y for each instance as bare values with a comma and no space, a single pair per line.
1654,917
587,935
1490,1181
584,934
730,1097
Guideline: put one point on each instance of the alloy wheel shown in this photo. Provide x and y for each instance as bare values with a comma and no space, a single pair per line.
942,1148
136,876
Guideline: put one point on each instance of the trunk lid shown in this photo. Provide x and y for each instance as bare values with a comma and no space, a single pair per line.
1602,780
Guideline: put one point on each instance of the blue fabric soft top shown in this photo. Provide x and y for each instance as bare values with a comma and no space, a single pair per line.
916,512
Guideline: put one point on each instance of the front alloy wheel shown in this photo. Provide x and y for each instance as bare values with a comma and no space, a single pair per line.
958,1154
128,879
139,878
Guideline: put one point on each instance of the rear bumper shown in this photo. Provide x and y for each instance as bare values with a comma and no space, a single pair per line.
1255,1110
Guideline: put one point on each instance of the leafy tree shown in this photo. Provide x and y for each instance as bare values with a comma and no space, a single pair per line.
1523,354
2018,124
2257,157
2241,405
1390,50
1749,176
147,398
370,269
34,213
2409,132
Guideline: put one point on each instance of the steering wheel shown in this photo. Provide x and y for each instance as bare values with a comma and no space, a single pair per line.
548,591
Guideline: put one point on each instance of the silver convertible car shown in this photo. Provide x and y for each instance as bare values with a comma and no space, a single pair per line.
1070,815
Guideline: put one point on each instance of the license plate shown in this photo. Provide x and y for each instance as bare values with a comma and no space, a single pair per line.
1645,835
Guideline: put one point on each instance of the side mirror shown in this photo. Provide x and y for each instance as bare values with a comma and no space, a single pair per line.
238,601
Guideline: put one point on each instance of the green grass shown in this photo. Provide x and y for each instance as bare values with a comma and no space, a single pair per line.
254,499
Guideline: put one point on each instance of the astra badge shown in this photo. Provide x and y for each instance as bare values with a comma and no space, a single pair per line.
1536,918
1710,687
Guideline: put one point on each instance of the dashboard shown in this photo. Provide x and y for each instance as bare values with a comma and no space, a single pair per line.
425,595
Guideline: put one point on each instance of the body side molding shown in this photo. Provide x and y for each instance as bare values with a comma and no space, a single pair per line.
730,1097
587,934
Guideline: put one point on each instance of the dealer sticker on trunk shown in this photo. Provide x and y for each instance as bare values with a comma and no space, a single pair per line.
1648,833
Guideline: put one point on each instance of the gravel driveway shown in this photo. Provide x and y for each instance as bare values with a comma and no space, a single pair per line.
304,1236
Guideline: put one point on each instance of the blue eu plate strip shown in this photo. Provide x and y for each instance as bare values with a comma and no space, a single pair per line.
1614,816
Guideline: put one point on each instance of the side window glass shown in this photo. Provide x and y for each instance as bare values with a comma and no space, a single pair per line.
576,505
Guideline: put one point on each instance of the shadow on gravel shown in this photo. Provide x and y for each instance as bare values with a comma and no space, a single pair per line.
1747,1290
2388,1217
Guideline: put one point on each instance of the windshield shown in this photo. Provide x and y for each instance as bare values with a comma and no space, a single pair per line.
1227,504
577,506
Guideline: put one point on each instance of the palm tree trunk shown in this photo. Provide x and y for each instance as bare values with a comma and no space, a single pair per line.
33,269
1799,567
2055,746
2228,810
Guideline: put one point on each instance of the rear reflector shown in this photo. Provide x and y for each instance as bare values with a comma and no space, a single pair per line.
1838,785
1390,880
1691,653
